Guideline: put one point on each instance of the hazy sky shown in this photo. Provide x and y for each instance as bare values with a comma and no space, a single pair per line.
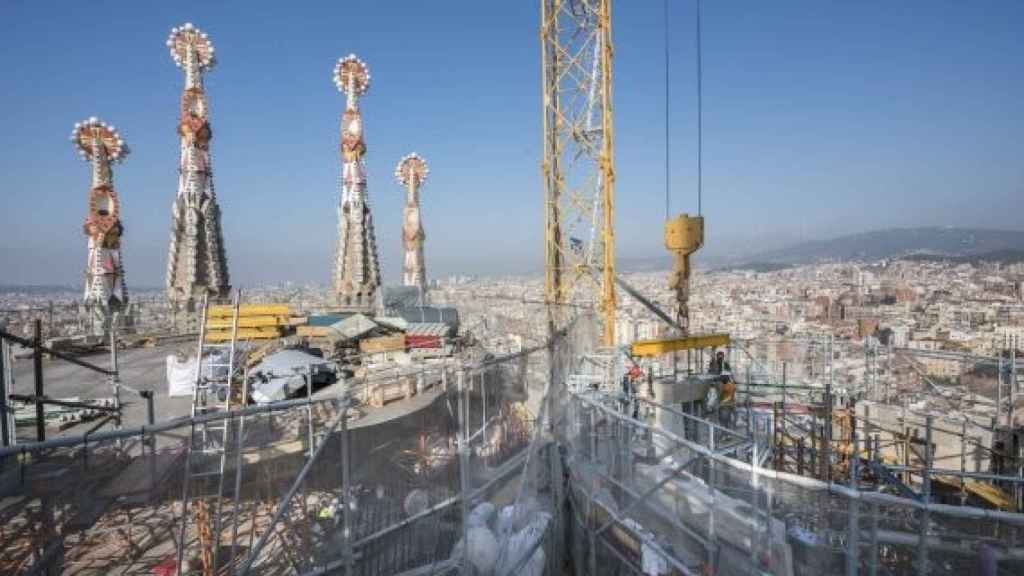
821,118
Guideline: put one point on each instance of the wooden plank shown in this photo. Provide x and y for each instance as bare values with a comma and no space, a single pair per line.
383,343
313,331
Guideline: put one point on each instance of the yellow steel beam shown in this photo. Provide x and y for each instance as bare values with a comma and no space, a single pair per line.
668,345
987,492
249,310
221,323
243,334
607,167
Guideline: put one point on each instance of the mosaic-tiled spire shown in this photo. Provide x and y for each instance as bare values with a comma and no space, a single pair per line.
356,267
412,173
101,145
196,262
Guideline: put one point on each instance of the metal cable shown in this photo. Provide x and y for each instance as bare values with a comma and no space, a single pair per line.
668,174
700,119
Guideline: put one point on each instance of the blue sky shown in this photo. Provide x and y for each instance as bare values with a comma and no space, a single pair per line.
821,118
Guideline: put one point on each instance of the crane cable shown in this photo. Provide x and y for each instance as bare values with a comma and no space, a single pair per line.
668,171
700,115
700,118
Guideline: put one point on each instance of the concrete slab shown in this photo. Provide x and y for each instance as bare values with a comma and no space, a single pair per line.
141,368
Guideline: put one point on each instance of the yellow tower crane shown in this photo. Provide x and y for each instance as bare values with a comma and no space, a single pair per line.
579,179
578,166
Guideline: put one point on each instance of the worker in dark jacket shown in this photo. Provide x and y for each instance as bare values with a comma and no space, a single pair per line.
719,364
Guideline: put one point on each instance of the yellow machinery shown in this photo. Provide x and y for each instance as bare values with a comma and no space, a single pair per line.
684,235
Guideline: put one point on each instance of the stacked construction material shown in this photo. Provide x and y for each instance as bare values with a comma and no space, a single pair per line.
319,325
255,322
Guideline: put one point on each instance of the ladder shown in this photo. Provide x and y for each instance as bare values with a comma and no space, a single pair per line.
206,454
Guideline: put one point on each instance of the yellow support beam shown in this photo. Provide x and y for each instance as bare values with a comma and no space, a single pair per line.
244,334
221,323
249,310
668,345
995,496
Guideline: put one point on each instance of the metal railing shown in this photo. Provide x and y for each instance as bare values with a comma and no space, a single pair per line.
682,501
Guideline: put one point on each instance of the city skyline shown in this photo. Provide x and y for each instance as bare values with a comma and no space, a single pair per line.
907,111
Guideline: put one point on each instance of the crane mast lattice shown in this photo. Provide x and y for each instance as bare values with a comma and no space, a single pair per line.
578,165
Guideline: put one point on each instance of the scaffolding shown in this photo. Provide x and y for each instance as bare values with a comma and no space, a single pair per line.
538,474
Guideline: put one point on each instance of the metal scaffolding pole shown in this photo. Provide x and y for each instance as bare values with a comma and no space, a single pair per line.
1010,420
853,527
591,535
999,390
926,493
712,549
827,456
873,560
464,488
239,448
115,379
346,484
286,500
37,370
6,386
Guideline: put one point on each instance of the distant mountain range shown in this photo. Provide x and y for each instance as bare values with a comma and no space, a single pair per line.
57,288
922,244
37,288
933,243
1001,256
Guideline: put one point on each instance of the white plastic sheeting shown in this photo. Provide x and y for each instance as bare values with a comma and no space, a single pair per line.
527,540
483,550
482,515
520,530
283,373
416,502
180,376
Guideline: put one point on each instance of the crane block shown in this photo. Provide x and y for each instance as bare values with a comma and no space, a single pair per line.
684,234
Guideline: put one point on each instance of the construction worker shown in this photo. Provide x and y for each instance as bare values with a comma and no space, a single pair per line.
719,364
327,517
629,393
727,400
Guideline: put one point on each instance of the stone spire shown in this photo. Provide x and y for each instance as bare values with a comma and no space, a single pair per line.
105,292
412,173
196,262
356,269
